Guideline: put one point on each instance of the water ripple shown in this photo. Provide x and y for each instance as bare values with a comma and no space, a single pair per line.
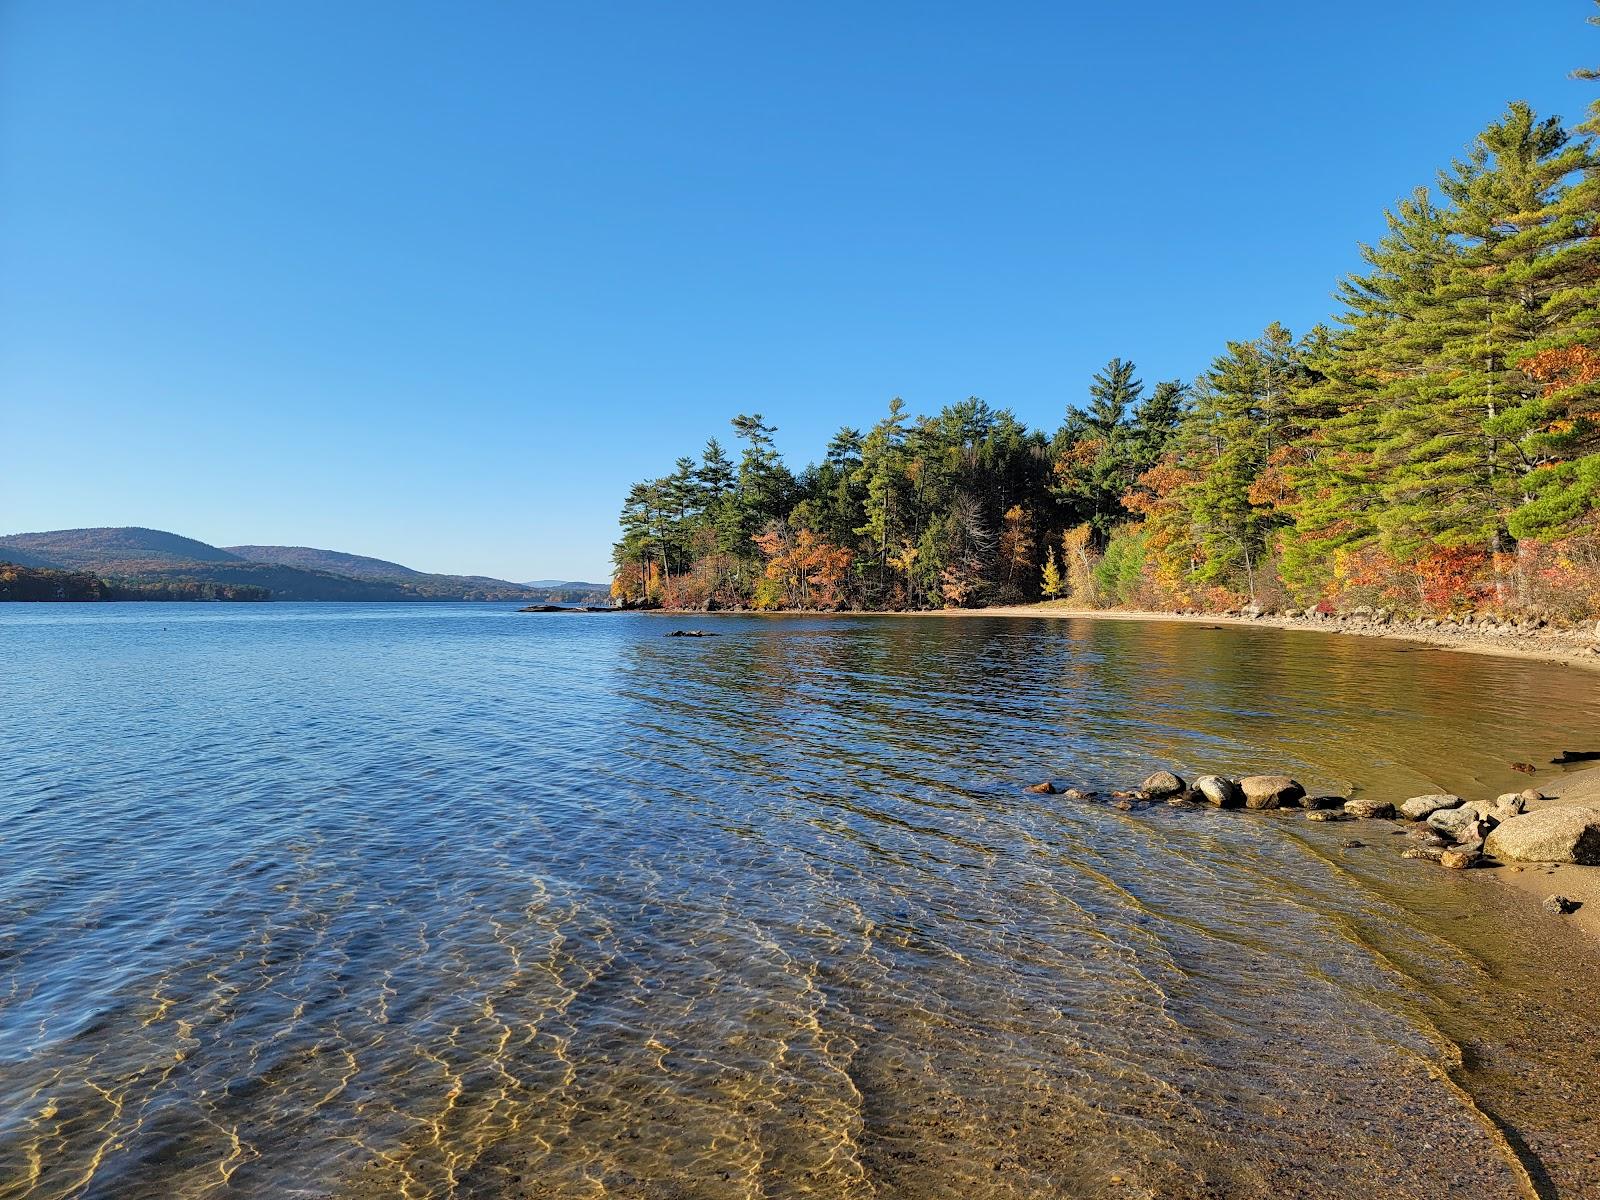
447,901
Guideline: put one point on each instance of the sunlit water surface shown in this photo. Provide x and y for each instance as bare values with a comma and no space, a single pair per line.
378,901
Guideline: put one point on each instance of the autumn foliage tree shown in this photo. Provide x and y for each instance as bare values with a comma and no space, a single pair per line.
1435,446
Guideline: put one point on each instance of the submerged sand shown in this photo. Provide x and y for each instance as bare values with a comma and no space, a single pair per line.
1576,648
1569,647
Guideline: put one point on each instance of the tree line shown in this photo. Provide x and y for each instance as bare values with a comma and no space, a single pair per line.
1434,447
47,584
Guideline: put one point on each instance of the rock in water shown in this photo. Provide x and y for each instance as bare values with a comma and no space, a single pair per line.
1327,814
1560,835
1458,859
1368,809
1558,905
1161,785
1215,789
1419,808
1322,801
1269,791
1042,789
1425,853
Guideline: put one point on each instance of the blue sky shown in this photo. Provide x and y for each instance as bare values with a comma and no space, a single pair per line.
435,282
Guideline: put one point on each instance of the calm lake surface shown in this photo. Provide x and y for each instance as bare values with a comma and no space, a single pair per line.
427,901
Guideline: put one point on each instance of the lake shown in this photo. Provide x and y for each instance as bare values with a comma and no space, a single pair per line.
427,901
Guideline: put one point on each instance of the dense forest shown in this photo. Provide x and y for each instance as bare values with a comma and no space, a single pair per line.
1434,447
43,583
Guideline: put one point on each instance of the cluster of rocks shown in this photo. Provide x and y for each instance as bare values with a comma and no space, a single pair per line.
1220,791
1451,831
1498,626
1457,829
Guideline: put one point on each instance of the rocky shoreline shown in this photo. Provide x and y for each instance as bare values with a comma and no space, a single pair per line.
1517,832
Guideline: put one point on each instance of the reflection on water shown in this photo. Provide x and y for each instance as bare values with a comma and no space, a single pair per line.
371,901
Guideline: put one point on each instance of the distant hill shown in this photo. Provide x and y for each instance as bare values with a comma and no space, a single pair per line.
545,585
287,583
22,558
107,548
357,566
152,556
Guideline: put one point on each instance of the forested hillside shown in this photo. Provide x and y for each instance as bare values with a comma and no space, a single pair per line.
138,563
120,546
1434,447
356,566
376,570
19,582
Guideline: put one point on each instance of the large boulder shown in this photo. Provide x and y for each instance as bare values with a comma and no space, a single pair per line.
1219,791
1420,808
1560,835
1161,785
1270,791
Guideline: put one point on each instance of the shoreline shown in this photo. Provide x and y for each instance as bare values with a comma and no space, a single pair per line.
1559,647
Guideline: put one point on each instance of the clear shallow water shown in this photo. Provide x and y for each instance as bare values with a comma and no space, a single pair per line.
361,901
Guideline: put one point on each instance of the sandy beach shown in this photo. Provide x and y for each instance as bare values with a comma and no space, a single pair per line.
1581,884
